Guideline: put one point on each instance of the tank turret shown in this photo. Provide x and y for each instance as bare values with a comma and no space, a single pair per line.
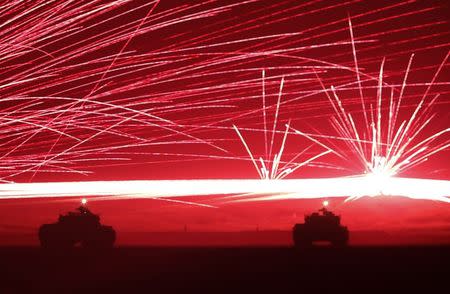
323,225
78,227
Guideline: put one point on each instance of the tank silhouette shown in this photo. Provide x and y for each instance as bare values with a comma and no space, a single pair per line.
323,225
80,227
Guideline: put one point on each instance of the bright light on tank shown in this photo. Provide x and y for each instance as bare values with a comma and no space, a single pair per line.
83,201
325,203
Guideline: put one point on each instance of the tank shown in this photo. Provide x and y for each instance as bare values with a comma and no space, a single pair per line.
79,227
323,225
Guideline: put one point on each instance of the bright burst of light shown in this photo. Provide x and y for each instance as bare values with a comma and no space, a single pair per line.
353,187
83,201
325,203
385,146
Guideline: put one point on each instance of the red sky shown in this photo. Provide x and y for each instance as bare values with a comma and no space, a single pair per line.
177,60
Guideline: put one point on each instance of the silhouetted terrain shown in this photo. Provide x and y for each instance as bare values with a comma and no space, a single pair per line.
224,270
242,238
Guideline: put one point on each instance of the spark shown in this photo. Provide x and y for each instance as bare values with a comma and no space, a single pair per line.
268,167
393,148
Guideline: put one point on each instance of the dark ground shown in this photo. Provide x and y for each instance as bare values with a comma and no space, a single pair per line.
226,270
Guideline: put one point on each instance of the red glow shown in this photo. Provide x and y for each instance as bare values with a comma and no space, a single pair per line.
112,92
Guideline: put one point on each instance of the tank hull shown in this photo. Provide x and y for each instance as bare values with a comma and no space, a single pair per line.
60,236
305,236
82,227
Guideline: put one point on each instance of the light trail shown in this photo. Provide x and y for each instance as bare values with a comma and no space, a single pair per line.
256,190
